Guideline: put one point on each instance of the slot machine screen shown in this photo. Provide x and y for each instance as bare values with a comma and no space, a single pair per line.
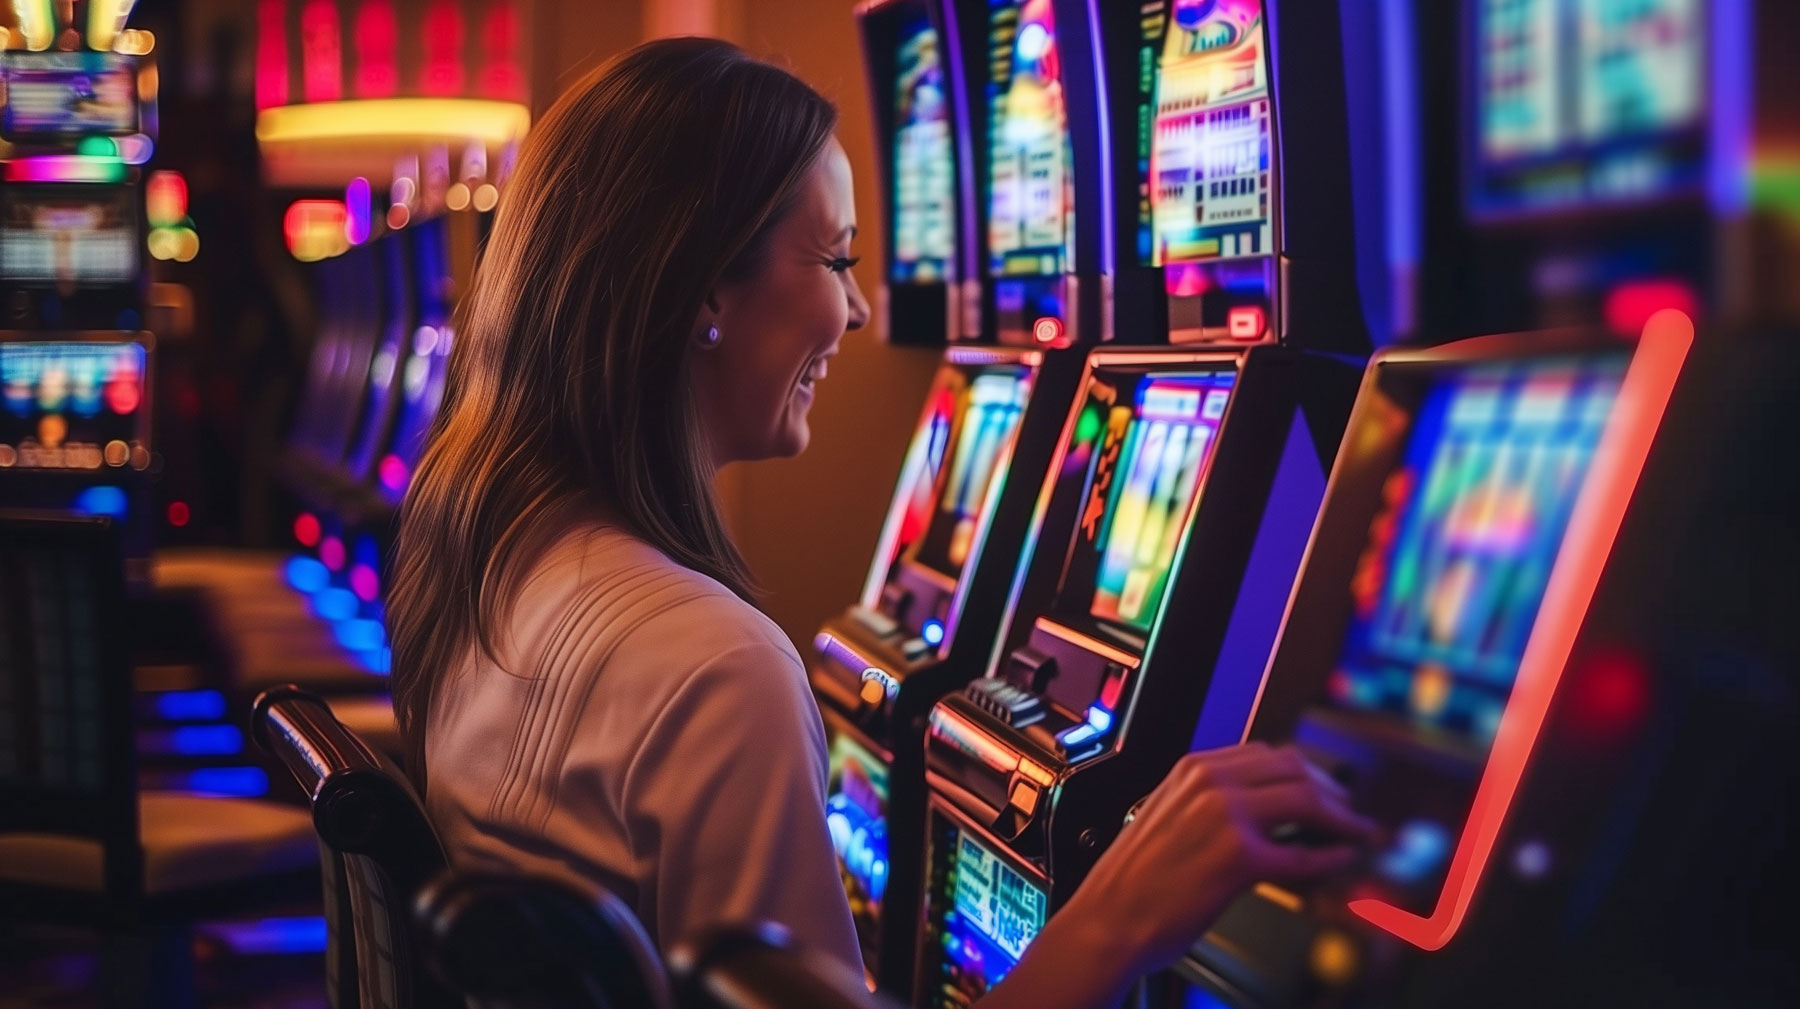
924,220
990,408
984,911
425,365
916,494
1585,101
1210,171
71,405
856,815
1029,182
68,94
68,236
1446,593
396,310
1146,452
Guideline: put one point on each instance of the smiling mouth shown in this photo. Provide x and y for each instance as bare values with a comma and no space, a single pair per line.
815,372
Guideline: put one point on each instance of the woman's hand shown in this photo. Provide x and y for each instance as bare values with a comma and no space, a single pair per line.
1208,832
1211,830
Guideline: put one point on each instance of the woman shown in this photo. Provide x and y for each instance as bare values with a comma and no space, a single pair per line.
586,684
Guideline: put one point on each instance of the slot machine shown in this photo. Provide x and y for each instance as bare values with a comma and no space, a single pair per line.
931,601
1186,475
1540,603
75,362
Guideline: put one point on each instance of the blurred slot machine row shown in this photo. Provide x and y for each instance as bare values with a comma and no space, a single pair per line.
1151,507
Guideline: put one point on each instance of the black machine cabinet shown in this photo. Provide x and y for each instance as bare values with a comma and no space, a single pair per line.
929,615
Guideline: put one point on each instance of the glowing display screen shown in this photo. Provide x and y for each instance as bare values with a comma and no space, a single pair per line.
82,236
426,366
989,420
924,218
1448,589
68,94
924,464
70,405
1030,188
856,815
1146,444
992,914
1209,158
1581,101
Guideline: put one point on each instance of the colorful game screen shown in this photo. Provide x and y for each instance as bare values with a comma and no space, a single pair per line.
58,94
1585,101
990,410
1447,590
993,913
426,364
68,236
916,494
1146,452
1210,166
924,215
70,405
856,815
1030,188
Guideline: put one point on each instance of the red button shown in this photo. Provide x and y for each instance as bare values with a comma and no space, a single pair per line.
1246,322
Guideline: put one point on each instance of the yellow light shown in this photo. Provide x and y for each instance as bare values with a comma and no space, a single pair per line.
162,243
117,453
486,196
36,23
457,196
390,118
134,42
187,245
1334,957
106,19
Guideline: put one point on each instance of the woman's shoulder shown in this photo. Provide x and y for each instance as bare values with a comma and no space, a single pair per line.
599,594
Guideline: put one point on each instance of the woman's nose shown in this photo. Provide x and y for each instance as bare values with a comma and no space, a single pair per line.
859,306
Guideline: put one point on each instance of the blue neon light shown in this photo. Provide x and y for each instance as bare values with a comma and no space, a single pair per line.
241,781
195,740
335,604
306,574
1100,718
108,501
933,632
191,705
265,936
359,635
379,661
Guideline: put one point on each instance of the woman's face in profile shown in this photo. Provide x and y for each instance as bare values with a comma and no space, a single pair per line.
780,325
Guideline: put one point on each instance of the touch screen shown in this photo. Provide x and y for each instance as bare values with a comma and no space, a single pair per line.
69,93
1030,191
994,403
991,915
79,236
856,814
1147,450
1448,589
924,221
1209,157
1585,100
70,405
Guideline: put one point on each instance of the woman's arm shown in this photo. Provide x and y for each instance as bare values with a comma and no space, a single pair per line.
1198,841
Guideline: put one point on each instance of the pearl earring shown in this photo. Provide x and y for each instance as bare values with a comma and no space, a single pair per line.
710,338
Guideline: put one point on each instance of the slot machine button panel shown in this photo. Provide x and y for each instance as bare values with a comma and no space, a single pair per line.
1011,705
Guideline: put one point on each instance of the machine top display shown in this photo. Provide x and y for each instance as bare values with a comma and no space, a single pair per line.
56,95
1030,188
924,209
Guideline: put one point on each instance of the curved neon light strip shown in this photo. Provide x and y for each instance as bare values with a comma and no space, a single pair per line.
428,118
1618,463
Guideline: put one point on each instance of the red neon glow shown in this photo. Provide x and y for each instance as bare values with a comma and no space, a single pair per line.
377,39
271,53
307,530
178,513
1609,696
1246,322
322,52
364,583
1630,305
1047,329
165,199
331,553
501,76
1185,280
1618,463
441,72
123,394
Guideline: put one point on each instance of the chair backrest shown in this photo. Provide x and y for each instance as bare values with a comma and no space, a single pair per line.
381,847
67,755
762,967
522,942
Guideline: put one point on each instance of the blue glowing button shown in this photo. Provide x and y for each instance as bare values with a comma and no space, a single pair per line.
306,574
933,632
1419,850
194,740
191,705
335,604
108,501
241,781
1075,741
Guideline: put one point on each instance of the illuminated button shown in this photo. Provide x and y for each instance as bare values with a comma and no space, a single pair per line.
1246,322
873,693
9,456
117,453
140,457
1334,957
1024,798
933,632
1048,329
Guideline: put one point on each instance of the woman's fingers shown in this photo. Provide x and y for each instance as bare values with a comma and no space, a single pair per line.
1293,863
1310,807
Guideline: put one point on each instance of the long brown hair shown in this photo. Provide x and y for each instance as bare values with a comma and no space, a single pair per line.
651,181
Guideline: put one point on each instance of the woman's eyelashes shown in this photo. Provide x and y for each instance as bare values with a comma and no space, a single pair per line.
842,263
